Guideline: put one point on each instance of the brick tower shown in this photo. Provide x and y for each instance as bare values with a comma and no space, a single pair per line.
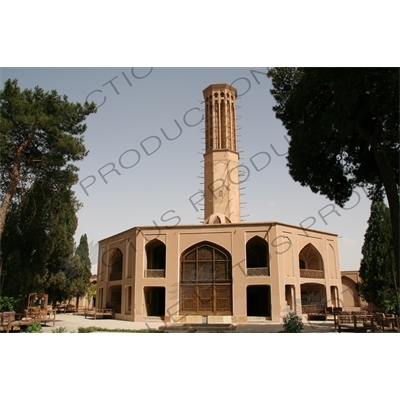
221,159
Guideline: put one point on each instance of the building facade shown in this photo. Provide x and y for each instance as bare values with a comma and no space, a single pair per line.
224,270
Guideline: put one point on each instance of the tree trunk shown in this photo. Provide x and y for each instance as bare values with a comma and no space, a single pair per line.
11,190
12,187
390,184
392,194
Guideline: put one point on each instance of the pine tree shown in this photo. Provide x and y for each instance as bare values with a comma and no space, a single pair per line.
39,237
83,252
41,135
377,272
84,273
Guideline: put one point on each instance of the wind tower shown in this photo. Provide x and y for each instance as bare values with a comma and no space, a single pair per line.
221,159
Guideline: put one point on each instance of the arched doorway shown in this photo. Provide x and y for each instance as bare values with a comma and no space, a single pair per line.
116,262
155,301
115,298
258,301
206,280
313,297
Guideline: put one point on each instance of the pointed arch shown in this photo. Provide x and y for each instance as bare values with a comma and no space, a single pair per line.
206,280
310,258
257,253
116,263
217,220
156,254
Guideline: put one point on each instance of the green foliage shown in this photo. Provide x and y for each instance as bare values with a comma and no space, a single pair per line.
38,238
390,305
338,119
73,278
80,277
7,303
60,329
34,327
83,252
41,136
91,292
57,287
91,329
343,125
292,323
377,271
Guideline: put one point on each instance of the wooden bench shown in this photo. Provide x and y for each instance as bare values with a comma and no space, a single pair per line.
40,315
61,308
47,315
357,321
388,320
20,322
70,308
315,311
364,321
8,320
66,308
100,312
32,314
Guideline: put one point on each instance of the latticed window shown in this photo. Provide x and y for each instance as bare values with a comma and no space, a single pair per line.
206,281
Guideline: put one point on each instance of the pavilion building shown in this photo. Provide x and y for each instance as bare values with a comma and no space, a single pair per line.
224,270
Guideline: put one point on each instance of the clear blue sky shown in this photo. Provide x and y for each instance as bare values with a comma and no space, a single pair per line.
139,107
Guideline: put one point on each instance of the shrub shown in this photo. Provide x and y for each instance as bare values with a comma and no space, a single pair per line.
60,329
7,303
34,327
292,323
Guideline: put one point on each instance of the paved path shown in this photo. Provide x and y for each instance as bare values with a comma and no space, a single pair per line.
71,322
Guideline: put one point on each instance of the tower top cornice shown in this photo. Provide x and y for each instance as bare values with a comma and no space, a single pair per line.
219,86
